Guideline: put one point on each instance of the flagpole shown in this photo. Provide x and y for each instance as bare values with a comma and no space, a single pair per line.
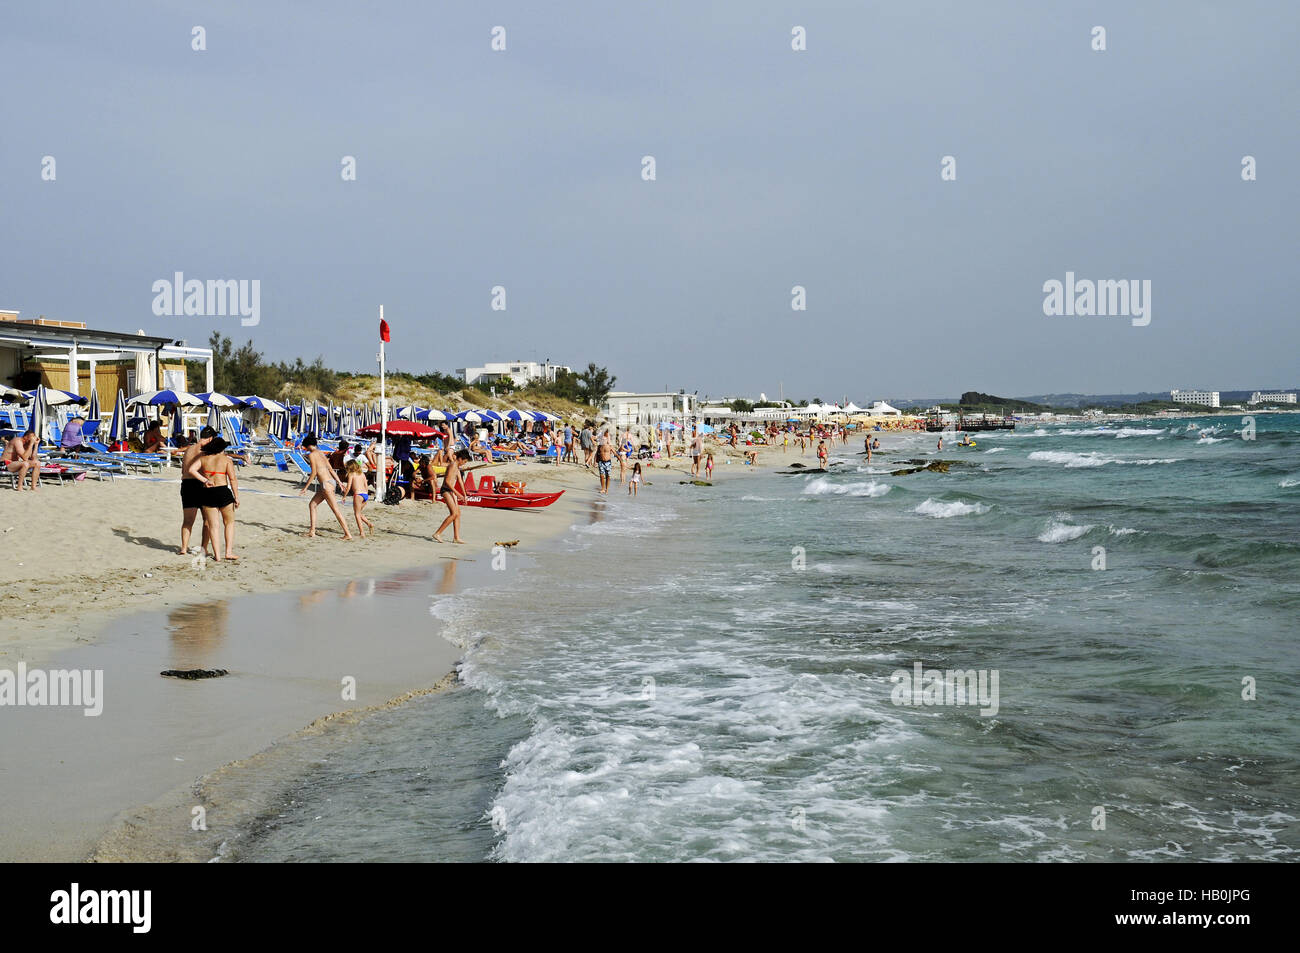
380,480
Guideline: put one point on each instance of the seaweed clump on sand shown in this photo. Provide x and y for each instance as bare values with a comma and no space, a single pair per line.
193,673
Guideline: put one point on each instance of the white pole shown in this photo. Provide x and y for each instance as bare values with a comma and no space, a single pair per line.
383,419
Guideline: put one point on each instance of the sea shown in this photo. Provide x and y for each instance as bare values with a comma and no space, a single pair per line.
759,670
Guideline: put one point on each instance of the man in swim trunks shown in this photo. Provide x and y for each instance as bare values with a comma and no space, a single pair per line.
697,447
20,456
605,461
193,486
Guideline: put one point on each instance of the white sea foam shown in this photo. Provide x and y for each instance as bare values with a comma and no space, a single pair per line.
941,510
995,450
1208,439
1123,531
1074,461
823,485
1286,484
1059,531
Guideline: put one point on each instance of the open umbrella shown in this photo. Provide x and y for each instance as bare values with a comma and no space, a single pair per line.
400,428
155,398
432,414
10,395
117,427
473,416
56,398
213,399
264,403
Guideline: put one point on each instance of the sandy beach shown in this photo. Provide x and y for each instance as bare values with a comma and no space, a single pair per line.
91,577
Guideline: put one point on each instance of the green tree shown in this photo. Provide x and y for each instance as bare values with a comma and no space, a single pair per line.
594,384
741,406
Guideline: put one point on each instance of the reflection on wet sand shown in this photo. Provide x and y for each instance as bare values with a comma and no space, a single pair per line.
197,632
597,514
447,584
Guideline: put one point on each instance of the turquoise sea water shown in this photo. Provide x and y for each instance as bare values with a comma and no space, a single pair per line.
707,673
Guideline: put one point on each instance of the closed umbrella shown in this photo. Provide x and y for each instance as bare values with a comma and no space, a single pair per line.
117,427
93,412
40,413
214,417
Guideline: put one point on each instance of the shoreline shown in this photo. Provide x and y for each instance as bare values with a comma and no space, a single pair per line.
178,736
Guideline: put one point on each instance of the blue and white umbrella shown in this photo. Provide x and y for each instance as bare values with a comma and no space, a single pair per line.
10,395
519,415
472,416
213,399
432,414
117,427
158,398
56,398
93,412
264,403
214,417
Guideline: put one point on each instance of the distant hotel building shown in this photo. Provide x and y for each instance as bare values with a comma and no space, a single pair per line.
1277,398
1205,398
521,373
624,408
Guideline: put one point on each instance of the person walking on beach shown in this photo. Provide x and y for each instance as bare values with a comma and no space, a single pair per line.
324,477
635,480
822,455
588,443
605,463
220,496
193,490
453,494
359,490
697,447
19,457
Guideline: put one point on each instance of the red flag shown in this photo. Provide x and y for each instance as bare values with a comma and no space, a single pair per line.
383,331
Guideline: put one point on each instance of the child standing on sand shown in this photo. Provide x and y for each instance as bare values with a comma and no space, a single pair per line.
708,465
635,479
359,490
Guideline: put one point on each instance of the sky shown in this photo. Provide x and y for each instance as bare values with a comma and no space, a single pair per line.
774,168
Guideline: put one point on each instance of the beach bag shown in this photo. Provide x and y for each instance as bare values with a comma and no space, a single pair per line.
393,495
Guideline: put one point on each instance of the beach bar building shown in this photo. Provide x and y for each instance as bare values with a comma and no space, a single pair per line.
69,356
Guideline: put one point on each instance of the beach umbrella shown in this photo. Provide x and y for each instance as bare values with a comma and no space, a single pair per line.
178,422
117,427
10,395
158,398
214,417
432,414
282,429
308,421
55,397
329,418
519,415
213,399
40,413
491,415
93,412
472,416
400,428
264,403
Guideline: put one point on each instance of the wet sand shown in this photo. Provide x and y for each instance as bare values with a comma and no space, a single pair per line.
291,658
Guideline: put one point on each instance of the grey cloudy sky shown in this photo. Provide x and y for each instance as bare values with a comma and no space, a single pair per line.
775,168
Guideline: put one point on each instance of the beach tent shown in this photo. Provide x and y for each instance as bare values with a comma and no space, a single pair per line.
880,408
117,427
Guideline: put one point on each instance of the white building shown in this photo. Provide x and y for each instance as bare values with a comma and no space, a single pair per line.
520,373
1274,398
625,408
1203,398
